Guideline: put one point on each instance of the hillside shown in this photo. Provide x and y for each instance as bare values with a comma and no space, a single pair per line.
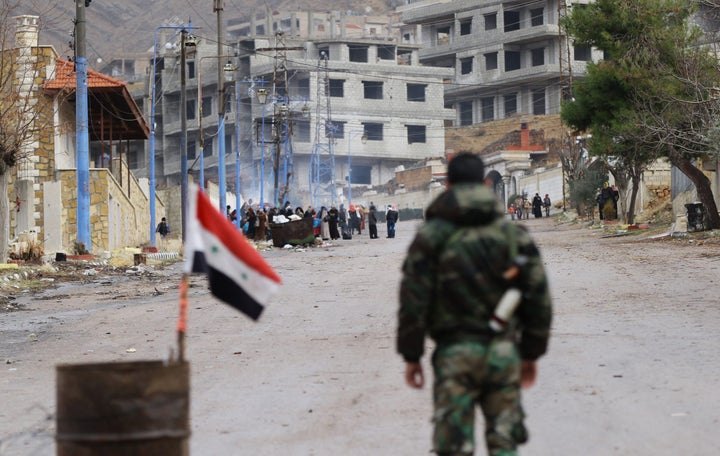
117,28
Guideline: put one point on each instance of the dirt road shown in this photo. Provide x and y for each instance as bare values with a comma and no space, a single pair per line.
632,369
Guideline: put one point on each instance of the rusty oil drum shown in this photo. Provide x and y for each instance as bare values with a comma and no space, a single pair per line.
125,408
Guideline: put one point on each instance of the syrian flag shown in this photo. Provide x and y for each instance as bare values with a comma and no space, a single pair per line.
237,273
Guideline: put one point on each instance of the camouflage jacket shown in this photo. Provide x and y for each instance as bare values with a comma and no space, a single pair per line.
452,276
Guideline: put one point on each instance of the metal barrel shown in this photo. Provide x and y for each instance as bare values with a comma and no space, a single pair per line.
124,408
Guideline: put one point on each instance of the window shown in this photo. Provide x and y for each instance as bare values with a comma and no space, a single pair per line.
416,92
416,133
386,52
538,56
488,109
191,69
536,17
512,60
442,35
301,130
191,150
304,88
491,61
538,96
404,57
466,112
228,144
466,65
512,20
358,53
325,52
490,21
206,106
338,129
466,27
207,147
373,90
361,174
190,109
510,104
373,131
337,88
582,53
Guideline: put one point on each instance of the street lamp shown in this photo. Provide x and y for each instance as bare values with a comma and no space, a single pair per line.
363,139
189,40
262,99
228,70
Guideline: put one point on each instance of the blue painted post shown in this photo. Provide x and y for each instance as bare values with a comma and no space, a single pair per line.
83,153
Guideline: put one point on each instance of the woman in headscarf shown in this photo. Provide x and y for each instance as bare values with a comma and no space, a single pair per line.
537,206
262,224
333,218
354,220
324,223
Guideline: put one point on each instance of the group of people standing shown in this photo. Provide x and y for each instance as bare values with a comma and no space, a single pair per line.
354,220
328,223
522,207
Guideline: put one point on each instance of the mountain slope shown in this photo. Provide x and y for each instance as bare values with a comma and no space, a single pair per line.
123,27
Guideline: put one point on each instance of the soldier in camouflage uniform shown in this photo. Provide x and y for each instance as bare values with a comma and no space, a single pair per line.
452,281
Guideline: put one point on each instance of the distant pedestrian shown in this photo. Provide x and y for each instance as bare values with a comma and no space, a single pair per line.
163,228
527,208
537,205
354,220
391,218
511,211
333,219
547,203
372,221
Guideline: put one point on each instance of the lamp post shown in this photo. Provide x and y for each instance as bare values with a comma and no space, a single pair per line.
151,146
262,99
186,41
363,139
228,69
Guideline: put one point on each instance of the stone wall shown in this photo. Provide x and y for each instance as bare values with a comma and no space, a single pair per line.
118,217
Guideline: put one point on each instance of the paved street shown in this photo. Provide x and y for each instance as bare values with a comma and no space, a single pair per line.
632,367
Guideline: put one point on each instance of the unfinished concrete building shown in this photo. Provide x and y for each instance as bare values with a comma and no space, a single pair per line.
508,57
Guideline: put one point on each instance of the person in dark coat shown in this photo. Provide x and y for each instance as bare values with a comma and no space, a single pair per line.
537,205
333,218
372,220
250,219
391,218
354,220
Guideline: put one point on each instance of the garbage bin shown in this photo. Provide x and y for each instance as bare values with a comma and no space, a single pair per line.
295,232
695,216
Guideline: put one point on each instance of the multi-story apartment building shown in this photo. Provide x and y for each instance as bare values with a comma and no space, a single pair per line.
386,110
508,56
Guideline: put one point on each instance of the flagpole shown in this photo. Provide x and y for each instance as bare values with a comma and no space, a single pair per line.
182,319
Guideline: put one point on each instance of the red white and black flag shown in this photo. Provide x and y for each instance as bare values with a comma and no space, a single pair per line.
237,273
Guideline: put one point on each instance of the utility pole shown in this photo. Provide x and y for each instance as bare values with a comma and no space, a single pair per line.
282,130
218,8
322,160
566,89
81,128
183,135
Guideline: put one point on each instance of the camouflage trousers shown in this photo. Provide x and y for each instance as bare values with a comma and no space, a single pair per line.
474,373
